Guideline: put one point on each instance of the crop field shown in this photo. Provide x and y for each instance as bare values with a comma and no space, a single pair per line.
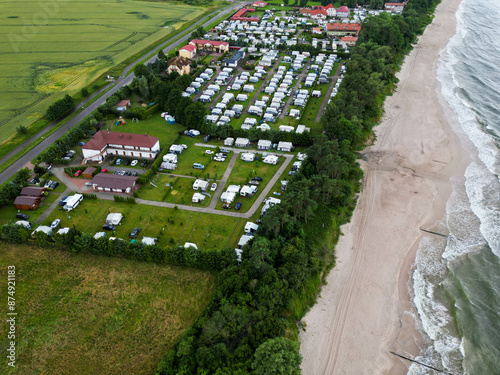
87,314
49,49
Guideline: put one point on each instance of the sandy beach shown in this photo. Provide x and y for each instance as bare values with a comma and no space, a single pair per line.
363,312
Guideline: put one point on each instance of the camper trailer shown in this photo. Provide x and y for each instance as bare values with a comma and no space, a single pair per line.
72,202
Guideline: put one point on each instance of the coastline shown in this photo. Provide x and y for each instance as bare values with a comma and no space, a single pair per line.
364,311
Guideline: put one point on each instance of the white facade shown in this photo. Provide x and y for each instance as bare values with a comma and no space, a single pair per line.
285,146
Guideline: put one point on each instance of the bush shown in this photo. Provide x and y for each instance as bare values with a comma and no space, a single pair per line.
60,108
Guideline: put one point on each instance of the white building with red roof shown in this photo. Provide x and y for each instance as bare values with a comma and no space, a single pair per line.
259,4
188,51
343,29
106,143
210,45
395,7
343,12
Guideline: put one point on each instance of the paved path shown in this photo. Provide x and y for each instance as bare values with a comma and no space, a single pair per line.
52,207
297,86
223,180
124,79
328,93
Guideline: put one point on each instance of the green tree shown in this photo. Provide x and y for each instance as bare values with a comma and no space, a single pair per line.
195,115
277,356
85,92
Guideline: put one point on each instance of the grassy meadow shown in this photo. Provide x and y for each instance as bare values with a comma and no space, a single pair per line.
87,314
49,49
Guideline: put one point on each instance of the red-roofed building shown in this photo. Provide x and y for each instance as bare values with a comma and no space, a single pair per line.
259,4
210,45
106,143
395,7
123,105
316,30
305,11
349,40
241,15
343,12
188,51
343,29
328,10
318,14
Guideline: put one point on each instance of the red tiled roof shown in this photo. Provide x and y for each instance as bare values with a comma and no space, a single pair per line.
25,200
123,103
188,47
343,27
211,42
113,181
349,39
32,191
318,11
103,138
305,11
328,6
259,4
395,4
240,15
343,9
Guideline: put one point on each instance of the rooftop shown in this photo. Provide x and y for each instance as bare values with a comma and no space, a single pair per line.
104,138
113,181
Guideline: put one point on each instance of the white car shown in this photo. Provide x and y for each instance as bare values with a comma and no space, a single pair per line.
134,163
184,146
213,187
209,152
217,158
55,223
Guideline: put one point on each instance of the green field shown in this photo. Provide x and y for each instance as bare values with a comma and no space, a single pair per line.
87,314
48,49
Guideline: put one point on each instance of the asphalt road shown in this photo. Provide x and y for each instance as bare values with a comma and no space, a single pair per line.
123,80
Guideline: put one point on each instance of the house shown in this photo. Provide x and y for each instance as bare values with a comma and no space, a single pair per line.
176,149
248,191
318,14
89,173
199,184
350,41
395,7
236,58
264,144
305,11
242,142
188,51
330,10
106,143
244,240
210,46
270,159
343,12
114,183
25,202
197,198
316,30
343,29
228,141
241,15
33,191
123,105
247,156
227,197
179,64
148,241
114,218
251,227
285,146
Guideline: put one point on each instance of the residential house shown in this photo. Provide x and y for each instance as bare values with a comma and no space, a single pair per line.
240,15
343,12
123,105
285,146
236,58
106,143
350,41
25,202
188,51
33,191
395,7
114,183
343,29
210,46
179,64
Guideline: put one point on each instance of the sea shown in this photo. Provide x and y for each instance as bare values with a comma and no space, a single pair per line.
455,281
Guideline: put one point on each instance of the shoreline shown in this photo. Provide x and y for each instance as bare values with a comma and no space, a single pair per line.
365,310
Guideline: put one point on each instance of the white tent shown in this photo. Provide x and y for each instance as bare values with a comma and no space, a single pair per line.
197,198
148,240
99,235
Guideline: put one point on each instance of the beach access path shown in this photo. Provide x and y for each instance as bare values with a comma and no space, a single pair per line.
362,312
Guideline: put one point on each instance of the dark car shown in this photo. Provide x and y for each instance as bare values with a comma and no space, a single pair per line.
126,162
134,174
238,206
135,232
81,143
225,150
128,173
108,227
22,216
257,178
62,202
54,185
143,163
35,181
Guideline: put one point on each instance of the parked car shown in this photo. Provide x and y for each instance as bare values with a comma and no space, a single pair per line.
253,182
55,223
257,178
78,173
184,146
227,206
62,202
81,143
118,161
88,183
54,185
104,170
36,180
48,183
225,150
209,152
134,163
143,163
128,173
108,227
134,174
213,187
238,206
135,232
22,216
126,162
198,166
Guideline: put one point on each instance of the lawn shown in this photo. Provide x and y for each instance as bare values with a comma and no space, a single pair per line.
87,314
179,190
244,172
72,43
171,226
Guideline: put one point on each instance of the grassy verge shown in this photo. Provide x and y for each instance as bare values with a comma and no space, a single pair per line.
86,314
